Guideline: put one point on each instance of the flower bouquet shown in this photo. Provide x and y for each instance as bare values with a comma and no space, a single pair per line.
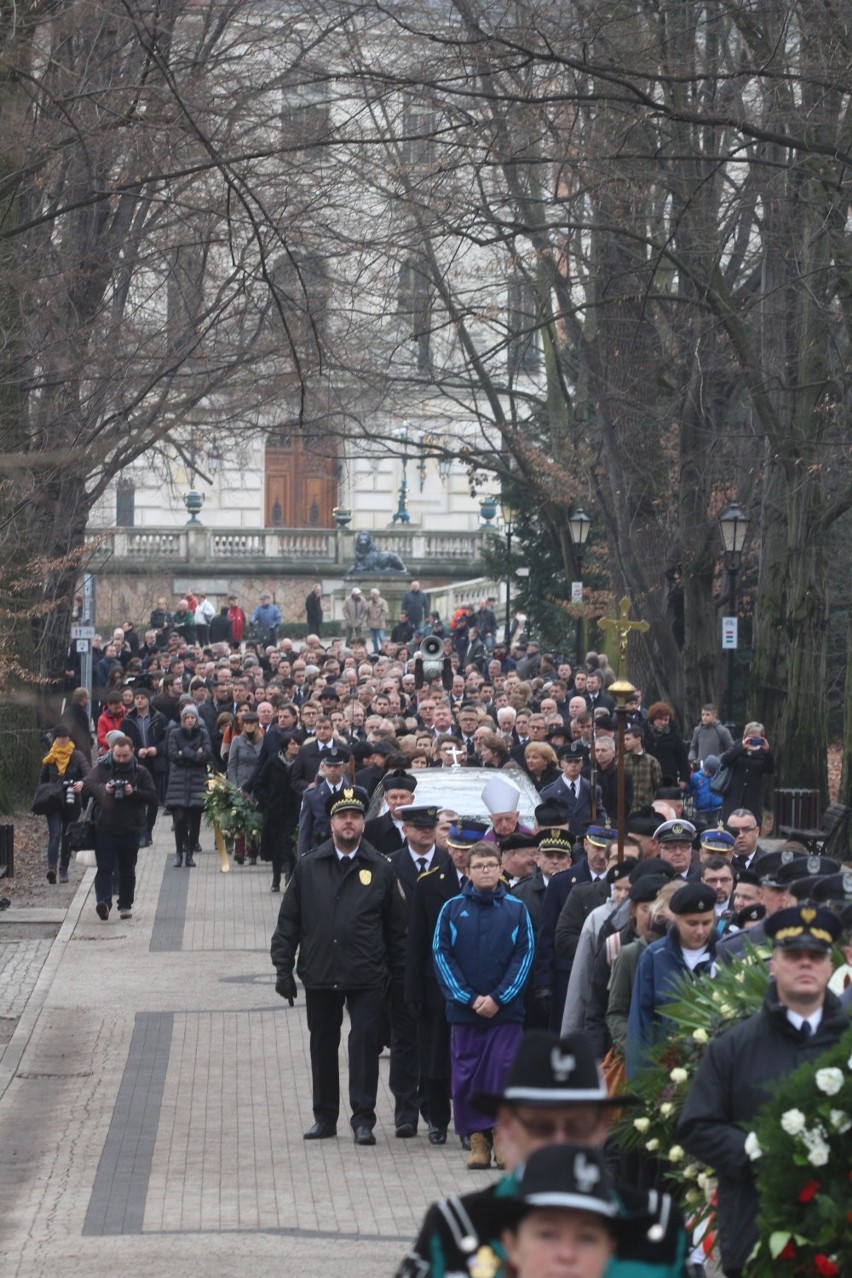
228,810
801,1149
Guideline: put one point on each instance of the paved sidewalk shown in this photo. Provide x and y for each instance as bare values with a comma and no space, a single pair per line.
155,1091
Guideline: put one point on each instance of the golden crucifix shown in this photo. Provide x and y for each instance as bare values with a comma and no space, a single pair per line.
622,626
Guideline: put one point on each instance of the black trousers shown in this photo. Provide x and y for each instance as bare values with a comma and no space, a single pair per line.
433,1042
404,1073
325,1018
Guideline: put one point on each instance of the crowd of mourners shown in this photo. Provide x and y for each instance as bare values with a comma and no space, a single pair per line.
516,969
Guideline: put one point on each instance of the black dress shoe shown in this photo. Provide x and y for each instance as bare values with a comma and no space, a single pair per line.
320,1131
437,1135
406,1130
364,1135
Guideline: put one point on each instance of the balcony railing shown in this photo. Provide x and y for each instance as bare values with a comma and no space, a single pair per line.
277,547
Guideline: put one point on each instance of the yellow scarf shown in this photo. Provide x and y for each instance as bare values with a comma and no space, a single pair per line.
60,755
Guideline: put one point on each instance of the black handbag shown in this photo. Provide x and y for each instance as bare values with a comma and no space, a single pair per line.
81,833
721,783
48,795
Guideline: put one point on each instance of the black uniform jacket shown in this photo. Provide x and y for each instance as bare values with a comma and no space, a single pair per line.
383,834
431,893
405,867
349,929
737,1076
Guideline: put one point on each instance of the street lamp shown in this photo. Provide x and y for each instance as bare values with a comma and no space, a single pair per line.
402,516
733,525
579,525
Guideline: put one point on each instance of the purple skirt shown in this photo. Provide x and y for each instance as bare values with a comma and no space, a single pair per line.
479,1058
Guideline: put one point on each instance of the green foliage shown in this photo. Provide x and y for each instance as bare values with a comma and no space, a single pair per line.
226,806
802,1171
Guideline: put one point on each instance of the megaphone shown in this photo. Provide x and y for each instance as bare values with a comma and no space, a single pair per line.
429,660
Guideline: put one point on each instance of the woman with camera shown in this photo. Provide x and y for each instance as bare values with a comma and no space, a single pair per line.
57,798
750,761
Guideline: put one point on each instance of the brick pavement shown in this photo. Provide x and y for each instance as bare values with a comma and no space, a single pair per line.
154,1095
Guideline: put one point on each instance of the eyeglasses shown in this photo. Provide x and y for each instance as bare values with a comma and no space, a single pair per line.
740,829
489,866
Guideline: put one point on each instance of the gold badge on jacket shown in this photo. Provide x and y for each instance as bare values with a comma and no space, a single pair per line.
366,877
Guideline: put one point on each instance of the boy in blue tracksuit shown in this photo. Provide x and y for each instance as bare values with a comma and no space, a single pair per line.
482,953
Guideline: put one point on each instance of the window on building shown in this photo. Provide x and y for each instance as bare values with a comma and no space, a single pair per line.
125,504
522,351
305,110
414,306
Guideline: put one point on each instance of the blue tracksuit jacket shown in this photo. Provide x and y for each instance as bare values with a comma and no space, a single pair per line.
483,944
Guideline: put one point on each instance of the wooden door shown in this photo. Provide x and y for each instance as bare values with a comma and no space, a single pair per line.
301,481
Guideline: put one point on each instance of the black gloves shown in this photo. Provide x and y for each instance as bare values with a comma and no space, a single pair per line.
286,987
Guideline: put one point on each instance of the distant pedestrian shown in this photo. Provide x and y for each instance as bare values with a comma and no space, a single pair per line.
266,619
354,615
122,791
189,754
313,610
60,781
377,618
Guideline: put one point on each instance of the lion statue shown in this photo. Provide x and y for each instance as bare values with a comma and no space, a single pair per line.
368,559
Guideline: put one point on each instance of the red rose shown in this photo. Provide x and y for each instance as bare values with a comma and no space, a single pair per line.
824,1267
789,1252
809,1191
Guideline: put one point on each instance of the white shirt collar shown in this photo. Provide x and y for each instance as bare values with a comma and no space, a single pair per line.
798,1021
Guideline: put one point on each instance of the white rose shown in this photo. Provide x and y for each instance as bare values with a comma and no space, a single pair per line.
793,1122
652,1145
678,1075
818,1155
690,1172
829,1081
700,1036
752,1147
641,1124
840,1120
666,1109
676,1154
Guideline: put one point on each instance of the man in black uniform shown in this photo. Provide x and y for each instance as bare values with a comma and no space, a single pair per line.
345,913
385,831
553,1094
800,1019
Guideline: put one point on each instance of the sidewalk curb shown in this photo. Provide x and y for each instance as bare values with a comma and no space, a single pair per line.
17,1045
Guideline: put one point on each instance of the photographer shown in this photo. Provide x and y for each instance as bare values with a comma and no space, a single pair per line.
751,761
59,785
122,791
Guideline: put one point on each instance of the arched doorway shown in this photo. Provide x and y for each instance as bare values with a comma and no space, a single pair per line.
301,480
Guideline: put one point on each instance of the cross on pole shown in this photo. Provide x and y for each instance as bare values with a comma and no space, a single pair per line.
622,625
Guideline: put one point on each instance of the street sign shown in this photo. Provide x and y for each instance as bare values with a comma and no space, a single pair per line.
82,632
729,632
82,645
576,592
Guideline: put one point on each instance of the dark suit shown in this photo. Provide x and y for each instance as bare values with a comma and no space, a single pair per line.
577,812
313,818
608,785
307,762
383,834
404,1074
601,701
432,891
552,972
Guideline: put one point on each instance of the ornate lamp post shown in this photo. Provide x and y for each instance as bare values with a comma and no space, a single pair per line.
579,525
733,525
402,516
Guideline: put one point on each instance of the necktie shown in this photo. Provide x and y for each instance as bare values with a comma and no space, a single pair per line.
421,864
806,1030
344,863
462,880
573,788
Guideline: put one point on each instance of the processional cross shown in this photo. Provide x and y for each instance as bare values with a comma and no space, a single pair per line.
622,625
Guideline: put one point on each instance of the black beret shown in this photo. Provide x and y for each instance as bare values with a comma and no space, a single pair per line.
693,898
653,866
647,888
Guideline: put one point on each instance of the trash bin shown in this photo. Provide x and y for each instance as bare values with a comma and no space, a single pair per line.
797,809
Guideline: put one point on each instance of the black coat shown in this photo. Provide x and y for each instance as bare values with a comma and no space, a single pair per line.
348,929
431,893
547,961
531,891
584,898
670,752
578,815
189,754
127,814
313,612
737,1077
221,628
383,834
313,818
157,727
306,764
405,868
748,772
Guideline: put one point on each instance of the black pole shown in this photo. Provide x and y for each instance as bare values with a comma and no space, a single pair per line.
732,603
508,582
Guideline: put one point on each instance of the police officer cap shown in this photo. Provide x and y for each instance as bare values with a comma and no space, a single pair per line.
352,798
646,888
575,750
419,815
770,868
654,867
717,841
834,887
398,780
555,842
600,835
336,754
464,833
677,831
693,898
804,889
803,927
